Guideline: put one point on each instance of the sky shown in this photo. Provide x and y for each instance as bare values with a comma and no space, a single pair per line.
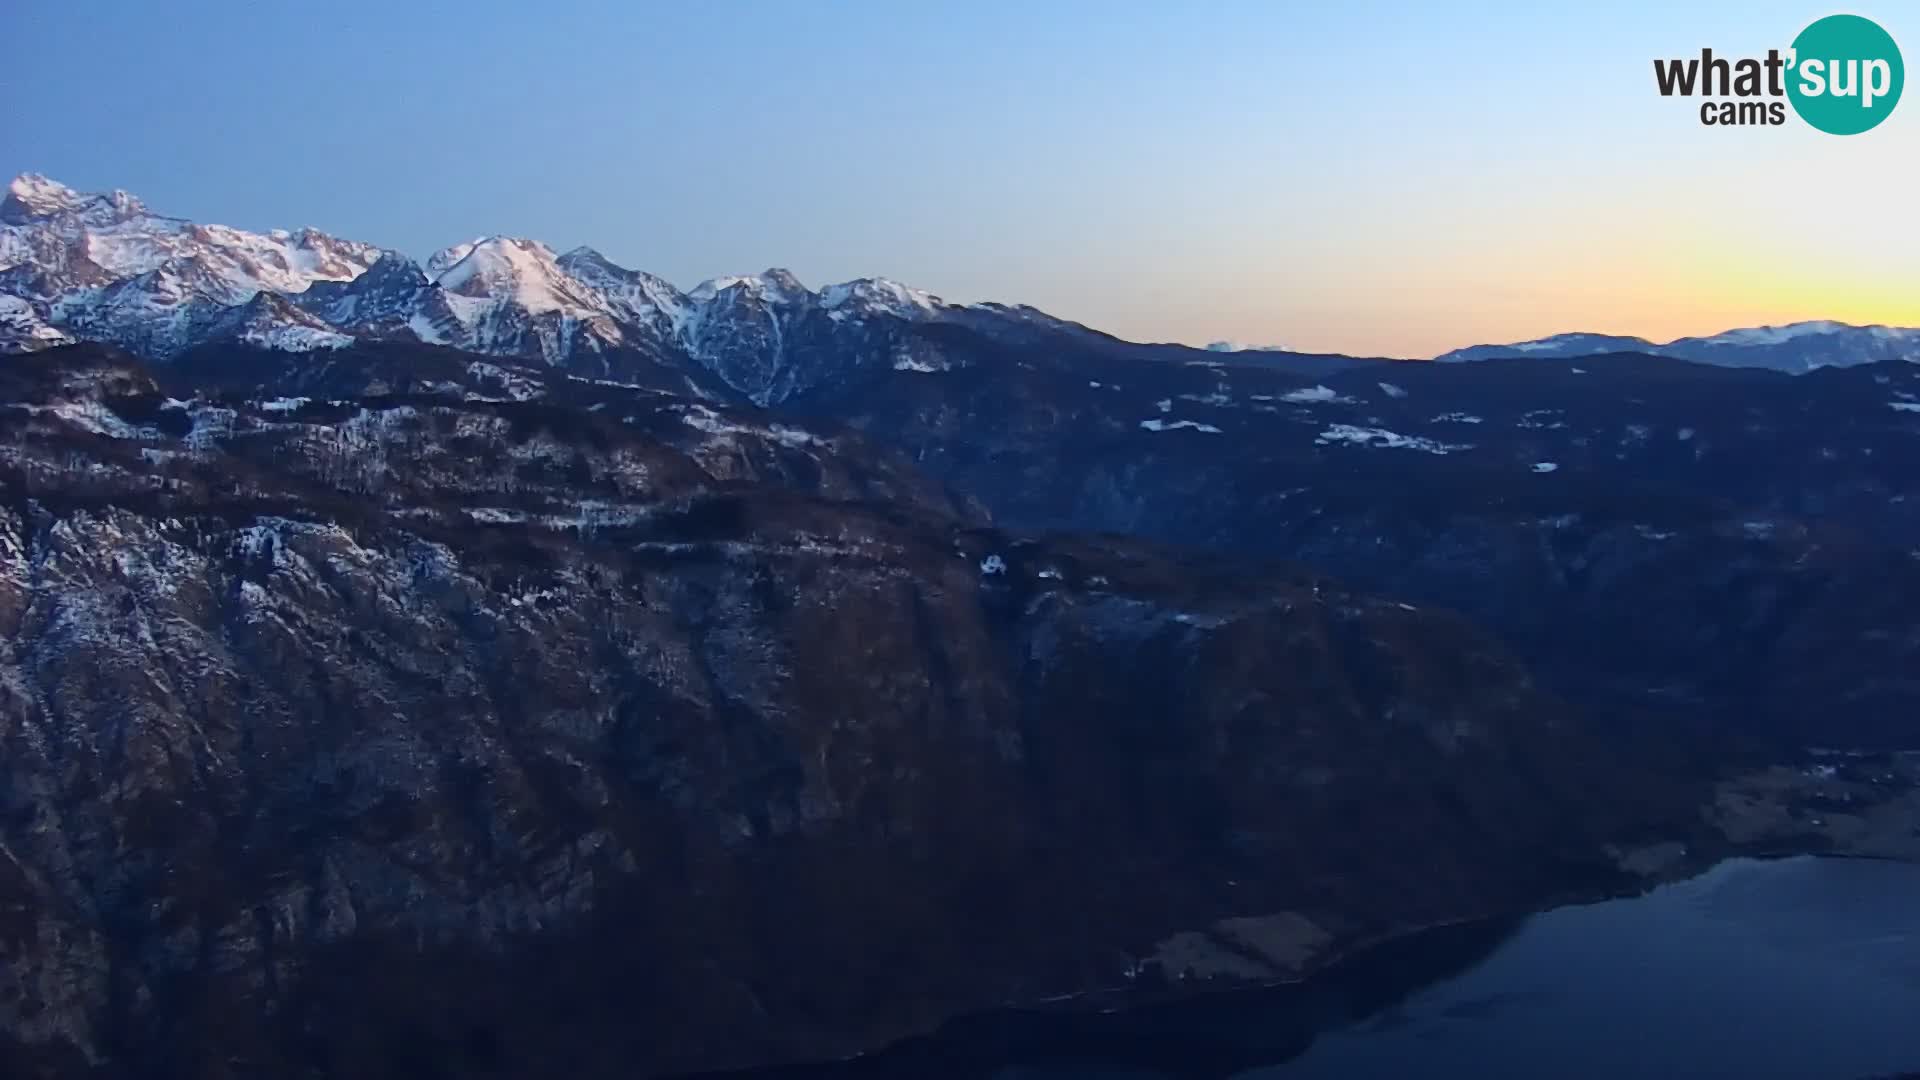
1385,178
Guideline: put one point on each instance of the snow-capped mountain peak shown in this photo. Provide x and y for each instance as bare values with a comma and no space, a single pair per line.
525,272
634,296
713,287
775,284
102,267
31,197
511,295
878,295
590,267
440,261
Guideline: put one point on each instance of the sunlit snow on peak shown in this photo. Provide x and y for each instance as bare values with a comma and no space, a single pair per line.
878,295
446,257
524,271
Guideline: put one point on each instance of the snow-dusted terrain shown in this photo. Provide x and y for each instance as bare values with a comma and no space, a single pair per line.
102,267
1795,348
476,658
464,695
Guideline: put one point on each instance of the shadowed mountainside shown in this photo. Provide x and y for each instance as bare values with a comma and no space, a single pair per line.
420,735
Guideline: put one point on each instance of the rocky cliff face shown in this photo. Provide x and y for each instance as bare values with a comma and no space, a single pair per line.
444,734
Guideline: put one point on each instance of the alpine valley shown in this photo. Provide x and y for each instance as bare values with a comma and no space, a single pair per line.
515,665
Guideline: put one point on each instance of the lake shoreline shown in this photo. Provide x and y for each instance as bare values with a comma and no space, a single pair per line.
1777,813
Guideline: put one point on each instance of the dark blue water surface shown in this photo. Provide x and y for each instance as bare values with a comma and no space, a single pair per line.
1798,968
1791,969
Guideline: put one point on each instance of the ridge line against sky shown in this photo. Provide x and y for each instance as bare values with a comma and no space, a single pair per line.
1382,179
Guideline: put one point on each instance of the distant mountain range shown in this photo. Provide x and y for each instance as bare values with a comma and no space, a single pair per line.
103,267
1794,348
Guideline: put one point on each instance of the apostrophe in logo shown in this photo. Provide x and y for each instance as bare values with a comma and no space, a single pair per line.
1843,75
1846,74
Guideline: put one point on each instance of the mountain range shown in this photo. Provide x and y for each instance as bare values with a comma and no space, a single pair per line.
515,665
1795,348
103,267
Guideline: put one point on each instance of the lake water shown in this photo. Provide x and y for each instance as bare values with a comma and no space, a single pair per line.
1798,969
1803,968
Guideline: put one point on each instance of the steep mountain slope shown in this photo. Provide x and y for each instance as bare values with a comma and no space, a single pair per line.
434,735
515,664
1729,546
514,298
24,328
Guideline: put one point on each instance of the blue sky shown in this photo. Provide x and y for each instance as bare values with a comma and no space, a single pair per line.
1368,177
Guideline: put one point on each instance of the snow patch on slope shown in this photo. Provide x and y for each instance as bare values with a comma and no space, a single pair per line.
1315,395
294,338
1352,435
1157,424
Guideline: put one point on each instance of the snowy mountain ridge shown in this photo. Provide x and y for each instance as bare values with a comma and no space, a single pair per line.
1794,348
78,266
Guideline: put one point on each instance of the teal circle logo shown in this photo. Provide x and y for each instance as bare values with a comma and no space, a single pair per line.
1846,75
